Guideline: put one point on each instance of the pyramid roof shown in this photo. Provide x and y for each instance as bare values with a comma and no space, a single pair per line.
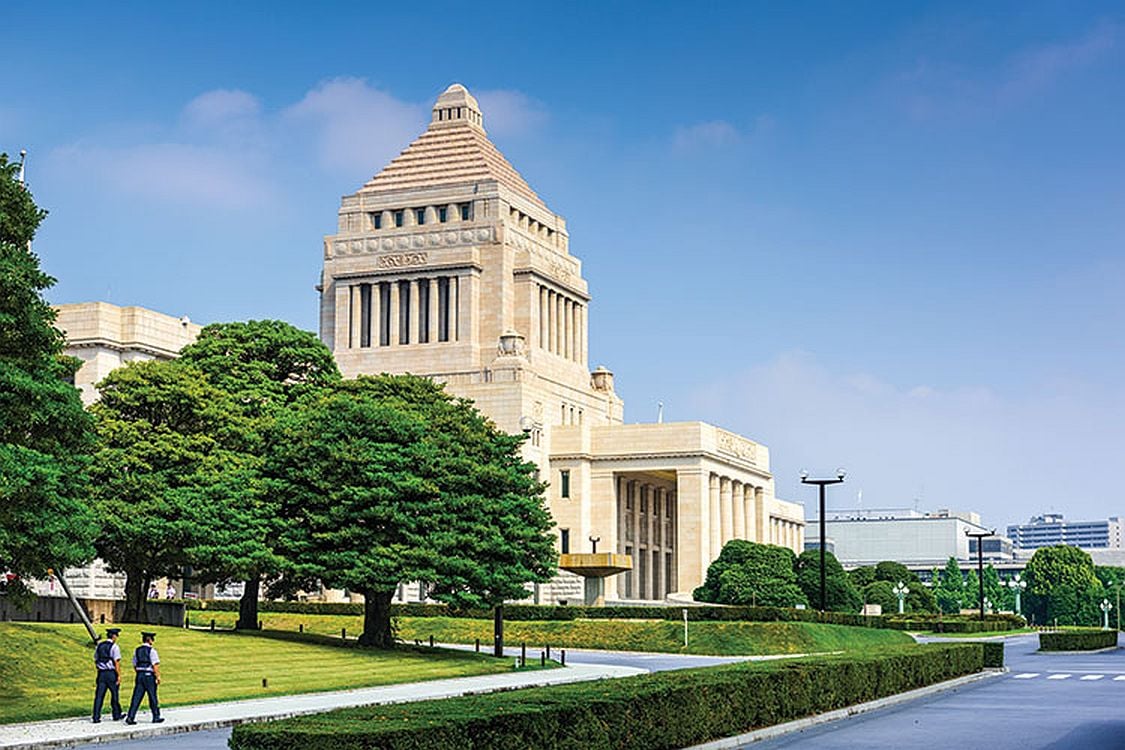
454,149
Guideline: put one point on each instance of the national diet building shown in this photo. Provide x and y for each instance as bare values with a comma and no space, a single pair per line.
447,264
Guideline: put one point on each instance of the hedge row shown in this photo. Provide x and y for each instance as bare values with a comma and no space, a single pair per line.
993,654
538,612
649,712
1077,640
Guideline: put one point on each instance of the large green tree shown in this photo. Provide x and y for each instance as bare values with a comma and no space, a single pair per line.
1062,586
920,598
264,366
45,434
840,593
393,480
749,573
949,588
161,475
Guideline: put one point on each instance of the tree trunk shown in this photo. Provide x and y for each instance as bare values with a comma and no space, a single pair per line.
498,630
248,604
377,630
134,596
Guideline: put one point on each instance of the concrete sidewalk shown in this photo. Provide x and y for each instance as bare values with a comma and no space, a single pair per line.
68,732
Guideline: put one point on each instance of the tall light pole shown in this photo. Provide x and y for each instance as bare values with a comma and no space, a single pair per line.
900,590
1017,584
980,537
822,483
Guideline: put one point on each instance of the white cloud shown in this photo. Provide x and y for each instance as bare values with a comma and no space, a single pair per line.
355,126
713,134
220,107
1007,456
510,113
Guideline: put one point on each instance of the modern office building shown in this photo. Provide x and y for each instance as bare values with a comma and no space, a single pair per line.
1051,528
447,264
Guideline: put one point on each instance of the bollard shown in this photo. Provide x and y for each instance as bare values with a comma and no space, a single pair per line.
265,682
344,633
301,628
542,658
548,651
478,645
187,621
259,624
103,618
212,624
523,653
431,641
562,655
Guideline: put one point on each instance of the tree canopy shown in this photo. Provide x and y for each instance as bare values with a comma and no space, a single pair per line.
45,435
1062,586
754,574
393,480
920,598
262,366
840,592
949,588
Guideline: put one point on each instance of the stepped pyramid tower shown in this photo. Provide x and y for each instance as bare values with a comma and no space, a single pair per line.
447,264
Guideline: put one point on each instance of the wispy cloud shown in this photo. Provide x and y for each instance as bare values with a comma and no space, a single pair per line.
968,447
718,134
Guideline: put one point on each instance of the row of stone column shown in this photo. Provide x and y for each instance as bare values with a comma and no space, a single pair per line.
649,535
414,311
786,533
735,509
561,325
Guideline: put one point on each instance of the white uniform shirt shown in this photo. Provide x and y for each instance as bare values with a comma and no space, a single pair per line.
153,657
114,656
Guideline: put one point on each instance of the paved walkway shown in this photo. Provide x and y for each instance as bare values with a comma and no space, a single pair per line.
70,732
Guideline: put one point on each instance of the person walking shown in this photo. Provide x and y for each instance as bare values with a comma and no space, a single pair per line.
107,661
146,663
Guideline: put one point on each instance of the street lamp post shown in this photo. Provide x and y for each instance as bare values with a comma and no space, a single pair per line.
1017,585
900,591
980,537
1105,607
822,483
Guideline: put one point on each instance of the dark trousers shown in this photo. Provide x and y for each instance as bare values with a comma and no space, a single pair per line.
146,684
107,680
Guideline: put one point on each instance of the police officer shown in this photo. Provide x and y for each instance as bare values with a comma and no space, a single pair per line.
146,663
107,660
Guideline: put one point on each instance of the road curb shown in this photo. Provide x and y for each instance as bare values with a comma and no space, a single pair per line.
769,733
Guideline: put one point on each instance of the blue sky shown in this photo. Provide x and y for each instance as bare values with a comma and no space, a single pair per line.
887,236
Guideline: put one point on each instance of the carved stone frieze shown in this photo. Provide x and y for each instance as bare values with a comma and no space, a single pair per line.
341,246
736,445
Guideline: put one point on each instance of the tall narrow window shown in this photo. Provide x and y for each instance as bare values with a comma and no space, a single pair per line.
466,211
564,541
384,314
365,315
564,483
420,216
443,214
376,219
443,308
404,312
423,311
400,218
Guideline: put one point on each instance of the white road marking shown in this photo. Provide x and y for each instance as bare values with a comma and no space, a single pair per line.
1119,678
1059,677
1026,675
1092,676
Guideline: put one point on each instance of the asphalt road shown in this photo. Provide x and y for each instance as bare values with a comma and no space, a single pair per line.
1055,701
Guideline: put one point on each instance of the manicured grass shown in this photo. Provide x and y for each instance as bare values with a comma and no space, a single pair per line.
715,638
47,669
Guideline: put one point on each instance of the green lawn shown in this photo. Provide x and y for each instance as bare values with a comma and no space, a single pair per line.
47,669
717,638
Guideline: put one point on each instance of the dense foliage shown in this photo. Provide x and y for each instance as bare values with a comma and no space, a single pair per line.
45,435
1077,640
650,712
1062,587
875,582
840,593
753,574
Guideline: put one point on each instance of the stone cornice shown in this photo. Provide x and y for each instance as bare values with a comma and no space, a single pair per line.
657,455
123,346
343,245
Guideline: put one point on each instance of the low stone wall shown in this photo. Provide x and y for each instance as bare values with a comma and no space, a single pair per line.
100,611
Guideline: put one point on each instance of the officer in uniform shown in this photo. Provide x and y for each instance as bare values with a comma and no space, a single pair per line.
107,660
146,663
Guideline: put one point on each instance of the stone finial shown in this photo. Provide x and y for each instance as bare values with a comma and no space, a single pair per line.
511,344
602,379
457,106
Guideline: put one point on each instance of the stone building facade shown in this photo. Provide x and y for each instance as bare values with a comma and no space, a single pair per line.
447,264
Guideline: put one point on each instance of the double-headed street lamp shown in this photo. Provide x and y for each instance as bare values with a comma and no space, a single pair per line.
1105,607
980,537
1017,585
900,591
822,483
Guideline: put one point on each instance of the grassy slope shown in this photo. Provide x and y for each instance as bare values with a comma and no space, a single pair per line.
720,638
47,669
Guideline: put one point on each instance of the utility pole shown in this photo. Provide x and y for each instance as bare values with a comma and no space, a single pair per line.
821,484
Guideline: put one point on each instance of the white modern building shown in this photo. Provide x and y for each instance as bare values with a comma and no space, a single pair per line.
1050,529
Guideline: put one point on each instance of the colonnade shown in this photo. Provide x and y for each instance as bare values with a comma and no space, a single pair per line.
646,522
786,533
408,311
735,511
562,325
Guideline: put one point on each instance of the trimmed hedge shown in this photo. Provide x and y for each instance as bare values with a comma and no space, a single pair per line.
993,654
540,612
1077,640
649,712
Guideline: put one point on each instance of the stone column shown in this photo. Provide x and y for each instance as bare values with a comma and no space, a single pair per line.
747,500
355,341
560,332
433,298
544,336
638,583
569,329
552,329
394,311
760,515
726,510
415,331
339,323
716,521
692,527
739,503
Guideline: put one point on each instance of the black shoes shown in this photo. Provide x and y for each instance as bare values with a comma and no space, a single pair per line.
97,721
130,721
158,721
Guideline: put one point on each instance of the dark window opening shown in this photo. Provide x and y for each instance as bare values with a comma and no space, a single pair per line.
564,483
365,315
466,211
400,218
564,540
404,312
384,314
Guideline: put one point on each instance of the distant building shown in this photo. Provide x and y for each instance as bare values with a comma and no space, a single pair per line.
915,539
1050,529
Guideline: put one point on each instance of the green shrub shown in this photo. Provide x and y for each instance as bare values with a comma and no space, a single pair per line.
1077,640
993,654
648,712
